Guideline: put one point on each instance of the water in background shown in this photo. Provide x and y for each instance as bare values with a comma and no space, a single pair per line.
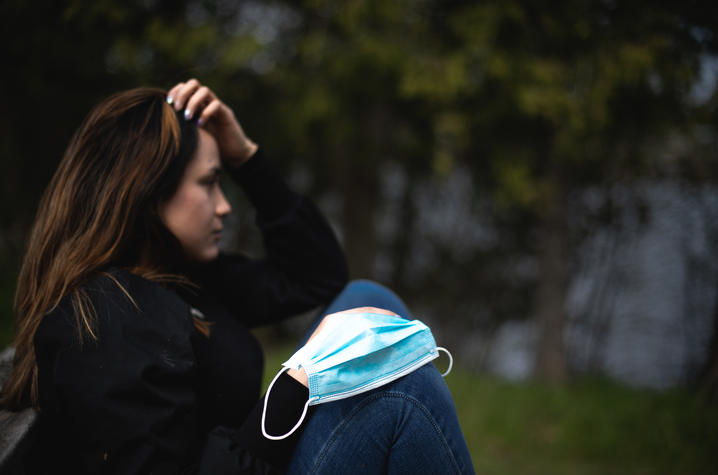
642,303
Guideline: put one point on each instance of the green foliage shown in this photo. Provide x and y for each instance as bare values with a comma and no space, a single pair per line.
560,79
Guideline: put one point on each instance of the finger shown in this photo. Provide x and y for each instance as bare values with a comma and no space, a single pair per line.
183,93
173,92
197,102
209,111
300,375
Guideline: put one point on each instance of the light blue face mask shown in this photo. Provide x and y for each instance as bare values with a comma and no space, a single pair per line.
358,352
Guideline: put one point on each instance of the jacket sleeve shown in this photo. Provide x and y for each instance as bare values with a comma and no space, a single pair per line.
126,402
304,265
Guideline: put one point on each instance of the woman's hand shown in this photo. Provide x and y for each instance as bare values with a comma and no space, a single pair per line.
299,374
214,115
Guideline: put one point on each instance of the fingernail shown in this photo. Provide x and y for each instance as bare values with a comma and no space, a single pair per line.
200,122
187,114
170,100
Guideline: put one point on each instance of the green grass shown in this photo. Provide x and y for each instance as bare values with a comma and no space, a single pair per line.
589,427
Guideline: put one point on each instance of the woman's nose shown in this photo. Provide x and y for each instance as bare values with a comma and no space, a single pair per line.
223,206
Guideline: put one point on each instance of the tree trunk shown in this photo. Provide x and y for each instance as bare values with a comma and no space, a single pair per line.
402,245
358,202
359,181
708,378
550,312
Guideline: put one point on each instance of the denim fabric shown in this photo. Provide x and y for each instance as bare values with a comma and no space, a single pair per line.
407,426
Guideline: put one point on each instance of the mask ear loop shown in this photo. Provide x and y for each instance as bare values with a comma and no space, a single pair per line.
264,412
451,360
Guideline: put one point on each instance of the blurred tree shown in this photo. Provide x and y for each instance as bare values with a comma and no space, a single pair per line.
539,99
338,104
571,95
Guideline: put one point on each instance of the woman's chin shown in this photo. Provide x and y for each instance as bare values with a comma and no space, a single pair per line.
204,255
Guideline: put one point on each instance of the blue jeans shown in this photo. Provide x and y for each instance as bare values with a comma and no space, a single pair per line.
407,426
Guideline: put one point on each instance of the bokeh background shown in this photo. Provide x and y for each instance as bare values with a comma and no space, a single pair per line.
537,179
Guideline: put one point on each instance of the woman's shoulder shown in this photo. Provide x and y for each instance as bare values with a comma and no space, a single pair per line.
123,289
120,301
138,340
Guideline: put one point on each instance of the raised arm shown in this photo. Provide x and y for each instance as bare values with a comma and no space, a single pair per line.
304,265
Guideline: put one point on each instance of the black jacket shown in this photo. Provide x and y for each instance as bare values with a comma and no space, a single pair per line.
151,394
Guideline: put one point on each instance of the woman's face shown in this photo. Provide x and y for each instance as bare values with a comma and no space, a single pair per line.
195,212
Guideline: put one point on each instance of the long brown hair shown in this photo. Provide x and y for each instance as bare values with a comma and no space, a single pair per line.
100,209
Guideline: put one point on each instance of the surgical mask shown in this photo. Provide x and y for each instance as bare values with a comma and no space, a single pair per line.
358,352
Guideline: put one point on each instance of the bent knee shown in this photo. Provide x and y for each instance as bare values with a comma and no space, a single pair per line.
366,286
368,293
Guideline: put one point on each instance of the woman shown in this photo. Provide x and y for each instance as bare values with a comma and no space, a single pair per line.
133,335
